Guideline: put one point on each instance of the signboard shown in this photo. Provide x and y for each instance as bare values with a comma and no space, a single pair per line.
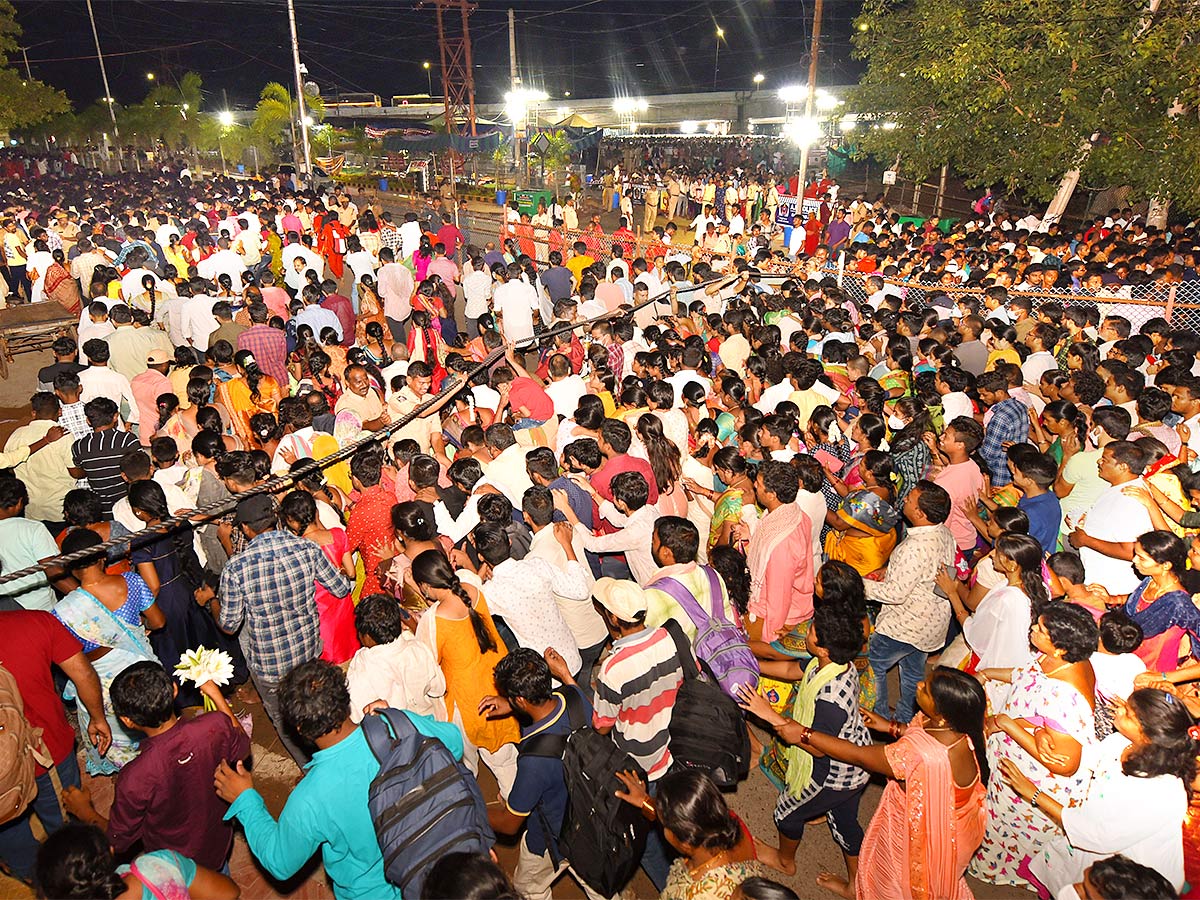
889,176
787,209
540,144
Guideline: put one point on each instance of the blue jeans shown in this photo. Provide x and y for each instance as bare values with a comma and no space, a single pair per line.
18,847
884,654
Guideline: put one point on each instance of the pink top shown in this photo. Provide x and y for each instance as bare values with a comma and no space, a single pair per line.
146,388
962,481
781,590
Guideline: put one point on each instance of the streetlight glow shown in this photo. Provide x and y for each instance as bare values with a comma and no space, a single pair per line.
425,65
827,101
689,127
804,132
225,118
625,106
793,93
720,32
759,78
149,76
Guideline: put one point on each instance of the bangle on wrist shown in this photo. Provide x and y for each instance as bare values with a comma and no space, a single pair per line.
894,728
647,807
1034,799
806,735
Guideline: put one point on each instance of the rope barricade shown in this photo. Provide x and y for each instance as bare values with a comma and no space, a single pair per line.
206,514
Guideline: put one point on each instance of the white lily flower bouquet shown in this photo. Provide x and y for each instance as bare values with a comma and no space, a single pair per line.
203,665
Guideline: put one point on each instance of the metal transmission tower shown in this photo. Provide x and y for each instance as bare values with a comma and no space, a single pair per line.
458,69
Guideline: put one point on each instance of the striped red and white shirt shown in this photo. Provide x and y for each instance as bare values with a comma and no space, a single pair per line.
635,695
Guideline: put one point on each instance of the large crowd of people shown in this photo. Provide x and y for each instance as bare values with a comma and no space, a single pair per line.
627,516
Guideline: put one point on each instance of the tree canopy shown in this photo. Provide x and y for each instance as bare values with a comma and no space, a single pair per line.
1017,92
23,101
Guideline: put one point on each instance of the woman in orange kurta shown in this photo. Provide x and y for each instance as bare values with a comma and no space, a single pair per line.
250,393
459,630
931,817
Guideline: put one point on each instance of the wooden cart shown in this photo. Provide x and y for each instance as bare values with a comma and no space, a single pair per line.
31,327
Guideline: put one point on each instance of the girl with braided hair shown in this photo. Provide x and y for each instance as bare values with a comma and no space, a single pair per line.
459,630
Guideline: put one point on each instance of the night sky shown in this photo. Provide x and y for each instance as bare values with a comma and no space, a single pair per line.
592,48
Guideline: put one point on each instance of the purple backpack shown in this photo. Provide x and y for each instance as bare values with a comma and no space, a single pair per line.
721,646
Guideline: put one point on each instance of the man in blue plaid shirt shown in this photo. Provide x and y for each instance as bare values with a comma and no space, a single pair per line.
1008,424
269,590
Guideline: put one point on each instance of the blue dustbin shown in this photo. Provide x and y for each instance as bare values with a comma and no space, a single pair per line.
383,184
501,198
616,201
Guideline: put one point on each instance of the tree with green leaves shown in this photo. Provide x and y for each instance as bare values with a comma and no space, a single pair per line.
1018,92
271,130
24,102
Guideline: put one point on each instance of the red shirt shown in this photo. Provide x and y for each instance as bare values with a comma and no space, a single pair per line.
623,462
525,392
449,235
342,308
30,642
178,763
370,526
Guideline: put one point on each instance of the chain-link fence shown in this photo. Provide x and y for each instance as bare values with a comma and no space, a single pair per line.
1178,303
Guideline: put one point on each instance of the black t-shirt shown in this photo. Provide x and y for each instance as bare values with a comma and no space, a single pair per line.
47,374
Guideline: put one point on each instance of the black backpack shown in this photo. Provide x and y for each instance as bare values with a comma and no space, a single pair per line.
708,731
602,836
424,803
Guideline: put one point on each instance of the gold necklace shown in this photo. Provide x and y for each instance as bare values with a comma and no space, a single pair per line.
1057,669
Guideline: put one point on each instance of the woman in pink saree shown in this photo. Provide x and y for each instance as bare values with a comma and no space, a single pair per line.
930,819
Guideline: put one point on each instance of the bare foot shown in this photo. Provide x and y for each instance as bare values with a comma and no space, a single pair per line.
836,885
770,856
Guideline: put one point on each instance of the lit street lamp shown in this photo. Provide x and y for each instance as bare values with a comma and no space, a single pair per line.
759,78
149,76
428,74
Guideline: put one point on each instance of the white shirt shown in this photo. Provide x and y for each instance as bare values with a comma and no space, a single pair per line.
565,394
404,673
131,284
101,381
1118,518
1036,364
998,631
523,592
813,506
39,261
1140,818
1115,672
580,615
410,238
295,280
956,404
515,301
507,472
633,539
361,263
197,322
477,290
223,262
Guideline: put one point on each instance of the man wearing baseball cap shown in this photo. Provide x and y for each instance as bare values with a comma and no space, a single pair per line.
147,388
635,692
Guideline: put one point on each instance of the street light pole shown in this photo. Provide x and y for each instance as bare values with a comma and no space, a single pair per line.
717,55
814,52
291,8
108,97
429,75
